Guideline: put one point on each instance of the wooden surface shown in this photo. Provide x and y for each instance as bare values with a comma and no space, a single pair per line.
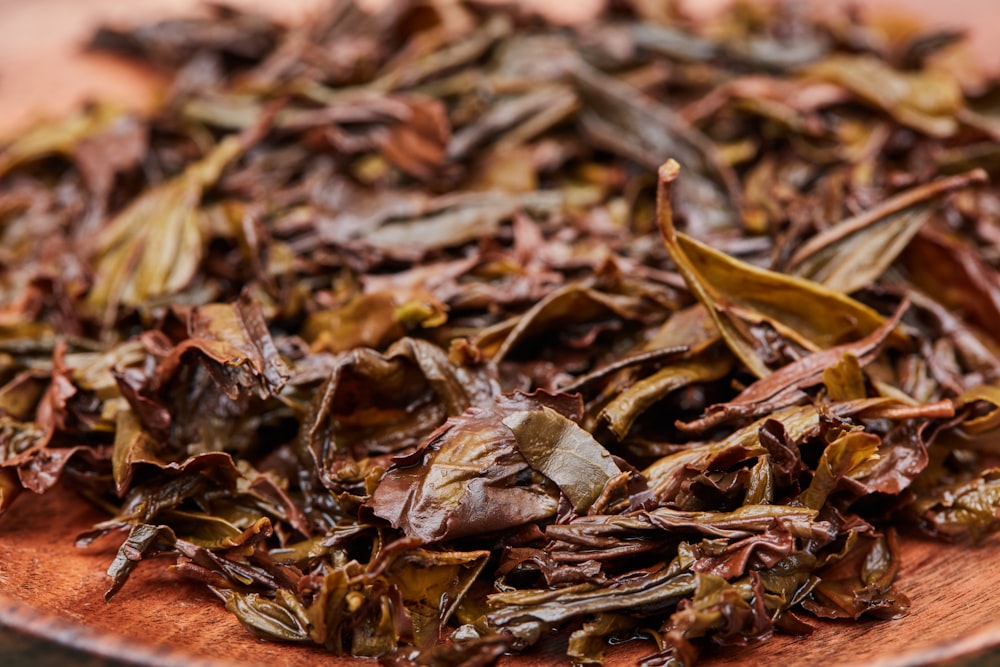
49,588
52,589
18,649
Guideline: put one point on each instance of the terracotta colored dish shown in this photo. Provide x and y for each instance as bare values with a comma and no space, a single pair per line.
55,591
51,590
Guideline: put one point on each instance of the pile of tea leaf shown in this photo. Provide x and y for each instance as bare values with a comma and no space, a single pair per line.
425,334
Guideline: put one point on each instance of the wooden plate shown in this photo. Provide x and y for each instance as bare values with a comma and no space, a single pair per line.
52,590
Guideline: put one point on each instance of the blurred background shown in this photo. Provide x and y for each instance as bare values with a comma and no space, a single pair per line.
44,71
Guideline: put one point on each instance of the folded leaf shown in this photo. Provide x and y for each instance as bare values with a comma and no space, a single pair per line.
564,453
856,252
740,296
842,458
470,478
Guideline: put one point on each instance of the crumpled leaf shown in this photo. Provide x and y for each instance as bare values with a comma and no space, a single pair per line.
469,478
859,580
432,584
21,444
281,619
780,541
964,511
728,608
368,397
236,341
900,461
667,474
843,457
586,645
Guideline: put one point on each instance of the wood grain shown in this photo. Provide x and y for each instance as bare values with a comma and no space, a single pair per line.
53,589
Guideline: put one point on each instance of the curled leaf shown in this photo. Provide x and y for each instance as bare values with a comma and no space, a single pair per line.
738,295
281,619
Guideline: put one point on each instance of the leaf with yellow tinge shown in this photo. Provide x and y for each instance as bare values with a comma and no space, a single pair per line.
927,100
154,247
983,422
57,138
432,584
628,405
844,380
132,447
846,456
739,295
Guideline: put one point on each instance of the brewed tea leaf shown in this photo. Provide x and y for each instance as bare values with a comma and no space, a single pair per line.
563,452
